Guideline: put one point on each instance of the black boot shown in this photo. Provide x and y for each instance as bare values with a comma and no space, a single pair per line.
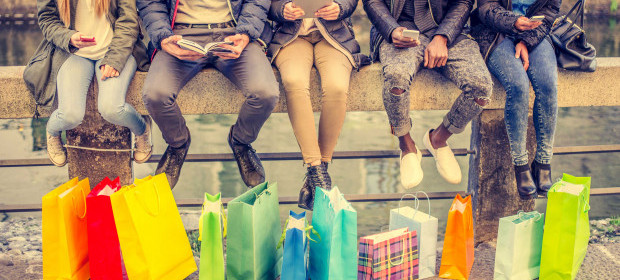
525,182
172,161
316,176
542,177
250,166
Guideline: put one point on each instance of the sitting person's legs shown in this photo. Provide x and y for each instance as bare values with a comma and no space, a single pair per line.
399,67
73,81
113,108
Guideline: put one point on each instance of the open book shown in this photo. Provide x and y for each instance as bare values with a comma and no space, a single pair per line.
210,47
311,6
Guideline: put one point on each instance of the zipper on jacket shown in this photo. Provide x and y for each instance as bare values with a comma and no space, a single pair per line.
231,12
273,58
430,8
338,46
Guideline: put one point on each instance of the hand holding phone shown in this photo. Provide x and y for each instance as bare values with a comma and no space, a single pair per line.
537,18
77,40
411,34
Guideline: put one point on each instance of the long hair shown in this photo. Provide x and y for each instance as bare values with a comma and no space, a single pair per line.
101,8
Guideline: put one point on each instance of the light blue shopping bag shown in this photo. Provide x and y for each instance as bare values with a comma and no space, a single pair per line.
295,260
426,227
334,257
519,244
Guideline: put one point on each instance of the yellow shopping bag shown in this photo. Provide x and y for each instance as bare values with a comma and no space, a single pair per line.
65,240
153,240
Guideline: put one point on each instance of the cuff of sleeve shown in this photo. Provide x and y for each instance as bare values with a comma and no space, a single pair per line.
246,32
160,37
67,42
446,34
513,29
389,35
117,66
341,14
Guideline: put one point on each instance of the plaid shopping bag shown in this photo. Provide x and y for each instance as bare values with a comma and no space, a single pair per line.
391,255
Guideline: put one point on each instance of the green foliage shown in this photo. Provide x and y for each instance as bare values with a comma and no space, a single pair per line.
614,5
615,221
194,242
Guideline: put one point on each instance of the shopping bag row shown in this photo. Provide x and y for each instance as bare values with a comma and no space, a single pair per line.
136,232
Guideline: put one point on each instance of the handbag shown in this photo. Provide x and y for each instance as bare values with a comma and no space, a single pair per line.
572,50
38,73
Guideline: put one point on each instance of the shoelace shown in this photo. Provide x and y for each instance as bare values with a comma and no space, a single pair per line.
248,164
317,177
55,145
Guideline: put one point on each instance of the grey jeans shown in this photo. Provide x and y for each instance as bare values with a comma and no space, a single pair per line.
251,72
465,67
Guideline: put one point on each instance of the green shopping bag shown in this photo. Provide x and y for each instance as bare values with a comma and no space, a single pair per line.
212,229
253,235
519,241
567,228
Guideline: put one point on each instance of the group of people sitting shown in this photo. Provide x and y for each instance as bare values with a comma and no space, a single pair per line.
102,38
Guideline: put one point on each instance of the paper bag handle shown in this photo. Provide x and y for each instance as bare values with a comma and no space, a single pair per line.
402,258
81,217
586,206
417,203
158,202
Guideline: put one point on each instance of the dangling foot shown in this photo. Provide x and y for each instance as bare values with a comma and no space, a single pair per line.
316,176
172,161
525,182
542,177
250,166
143,148
445,161
56,151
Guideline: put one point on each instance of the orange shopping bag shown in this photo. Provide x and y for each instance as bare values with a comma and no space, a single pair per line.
458,246
65,240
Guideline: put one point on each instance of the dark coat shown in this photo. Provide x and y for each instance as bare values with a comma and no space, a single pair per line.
450,17
41,72
494,20
250,17
340,30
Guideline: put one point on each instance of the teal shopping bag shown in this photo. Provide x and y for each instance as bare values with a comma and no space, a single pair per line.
519,242
334,257
567,228
253,235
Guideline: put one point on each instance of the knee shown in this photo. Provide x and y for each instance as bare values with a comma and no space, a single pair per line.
396,80
264,96
110,110
295,83
481,90
72,118
156,97
335,91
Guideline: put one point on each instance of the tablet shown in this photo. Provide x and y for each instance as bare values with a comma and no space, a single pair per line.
311,6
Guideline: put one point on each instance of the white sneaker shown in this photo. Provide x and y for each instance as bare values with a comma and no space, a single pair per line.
143,148
56,151
411,173
446,163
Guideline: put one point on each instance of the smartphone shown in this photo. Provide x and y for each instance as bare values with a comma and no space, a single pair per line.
87,38
537,18
411,34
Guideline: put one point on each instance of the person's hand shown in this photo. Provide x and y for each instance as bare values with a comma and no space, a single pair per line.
108,71
402,42
240,41
330,12
170,46
292,12
77,42
523,54
525,24
436,53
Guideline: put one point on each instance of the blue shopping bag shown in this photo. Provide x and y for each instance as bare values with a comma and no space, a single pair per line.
296,238
334,257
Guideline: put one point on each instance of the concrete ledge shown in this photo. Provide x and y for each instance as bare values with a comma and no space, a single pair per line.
211,93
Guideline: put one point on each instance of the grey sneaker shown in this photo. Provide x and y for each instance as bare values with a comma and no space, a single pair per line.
143,147
56,151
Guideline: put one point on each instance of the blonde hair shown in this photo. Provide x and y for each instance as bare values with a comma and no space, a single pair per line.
101,8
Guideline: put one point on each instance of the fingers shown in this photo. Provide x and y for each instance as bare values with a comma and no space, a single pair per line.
291,12
330,12
426,57
224,55
173,39
517,53
525,59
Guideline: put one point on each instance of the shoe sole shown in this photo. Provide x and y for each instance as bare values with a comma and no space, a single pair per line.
55,163
529,197
145,159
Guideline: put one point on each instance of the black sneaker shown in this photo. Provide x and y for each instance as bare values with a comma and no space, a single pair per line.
172,161
316,176
250,166
525,183
542,177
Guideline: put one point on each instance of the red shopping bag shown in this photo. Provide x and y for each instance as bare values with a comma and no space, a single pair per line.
103,245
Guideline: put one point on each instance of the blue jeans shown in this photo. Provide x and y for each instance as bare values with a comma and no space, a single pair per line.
543,74
74,78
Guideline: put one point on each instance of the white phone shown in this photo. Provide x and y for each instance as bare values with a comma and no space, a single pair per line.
411,34
537,18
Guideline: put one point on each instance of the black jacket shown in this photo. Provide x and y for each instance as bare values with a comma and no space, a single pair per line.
494,20
450,17
340,30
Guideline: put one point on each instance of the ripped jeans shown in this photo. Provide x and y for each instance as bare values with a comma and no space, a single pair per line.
465,67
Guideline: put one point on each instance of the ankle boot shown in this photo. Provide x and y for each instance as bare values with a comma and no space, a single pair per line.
542,177
525,182
316,176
